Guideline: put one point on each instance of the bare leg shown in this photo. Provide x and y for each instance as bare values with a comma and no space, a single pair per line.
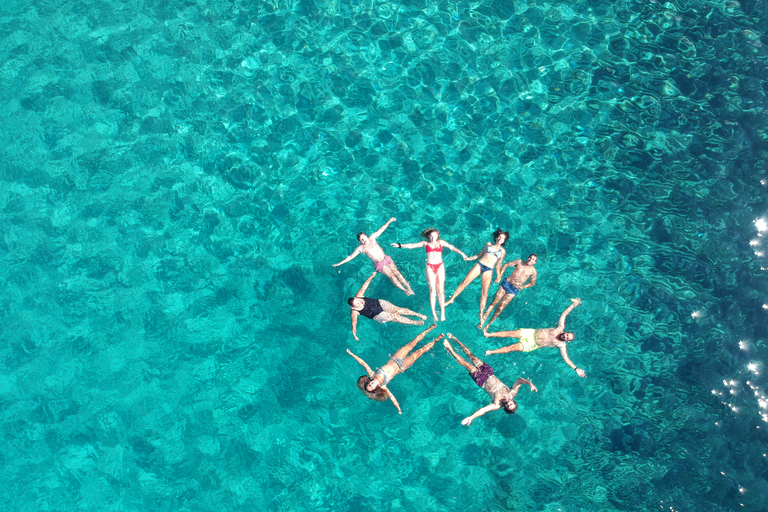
475,360
408,361
404,350
431,278
503,304
503,334
499,294
387,271
470,368
473,273
397,310
441,291
486,283
400,319
397,275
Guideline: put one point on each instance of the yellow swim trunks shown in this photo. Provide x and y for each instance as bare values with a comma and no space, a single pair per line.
528,339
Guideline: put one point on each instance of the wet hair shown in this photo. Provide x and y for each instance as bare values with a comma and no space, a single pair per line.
349,300
510,406
498,233
534,254
560,336
378,394
359,235
426,232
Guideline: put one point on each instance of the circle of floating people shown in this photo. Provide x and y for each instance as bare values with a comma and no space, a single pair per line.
490,259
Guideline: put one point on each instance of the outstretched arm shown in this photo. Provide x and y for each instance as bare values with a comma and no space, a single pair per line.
454,249
362,363
564,353
519,382
348,258
354,315
503,269
498,265
361,291
414,245
392,397
488,408
375,234
561,322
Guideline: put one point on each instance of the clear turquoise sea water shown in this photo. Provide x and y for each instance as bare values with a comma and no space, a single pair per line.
178,176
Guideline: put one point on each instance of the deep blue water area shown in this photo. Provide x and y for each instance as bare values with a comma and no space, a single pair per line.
178,177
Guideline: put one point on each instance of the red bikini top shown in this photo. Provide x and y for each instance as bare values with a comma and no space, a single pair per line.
429,249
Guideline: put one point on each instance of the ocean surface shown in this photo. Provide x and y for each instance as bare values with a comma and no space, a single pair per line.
177,178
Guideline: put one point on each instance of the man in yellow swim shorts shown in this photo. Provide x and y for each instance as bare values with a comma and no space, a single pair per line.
532,339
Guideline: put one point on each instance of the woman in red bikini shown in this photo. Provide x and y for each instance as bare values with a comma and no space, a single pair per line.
435,270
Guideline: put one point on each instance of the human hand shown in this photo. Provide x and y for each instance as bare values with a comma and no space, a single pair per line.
488,352
356,339
533,388
392,219
581,373
348,352
466,421
576,301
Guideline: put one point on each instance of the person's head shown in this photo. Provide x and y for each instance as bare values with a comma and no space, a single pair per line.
565,336
497,236
362,237
356,303
431,234
509,405
371,388
532,259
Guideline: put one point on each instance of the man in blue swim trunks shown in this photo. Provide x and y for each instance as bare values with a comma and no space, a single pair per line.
532,339
511,286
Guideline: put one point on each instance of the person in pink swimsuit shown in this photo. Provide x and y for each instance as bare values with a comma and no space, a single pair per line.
435,270
381,262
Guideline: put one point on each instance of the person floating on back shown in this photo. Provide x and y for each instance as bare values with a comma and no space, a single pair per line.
511,286
490,257
381,262
482,374
379,310
435,270
532,339
374,385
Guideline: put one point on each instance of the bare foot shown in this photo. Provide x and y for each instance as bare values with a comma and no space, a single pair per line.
480,325
442,317
487,352
485,333
439,337
449,302
446,344
434,318
423,317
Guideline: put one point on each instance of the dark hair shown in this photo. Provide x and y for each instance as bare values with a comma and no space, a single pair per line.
378,394
498,233
426,232
560,336
359,235
534,254
349,300
510,406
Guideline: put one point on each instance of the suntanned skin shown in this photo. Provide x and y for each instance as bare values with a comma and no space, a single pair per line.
370,247
485,277
499,390
391,367
396,314
547,337
524,270
436,280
